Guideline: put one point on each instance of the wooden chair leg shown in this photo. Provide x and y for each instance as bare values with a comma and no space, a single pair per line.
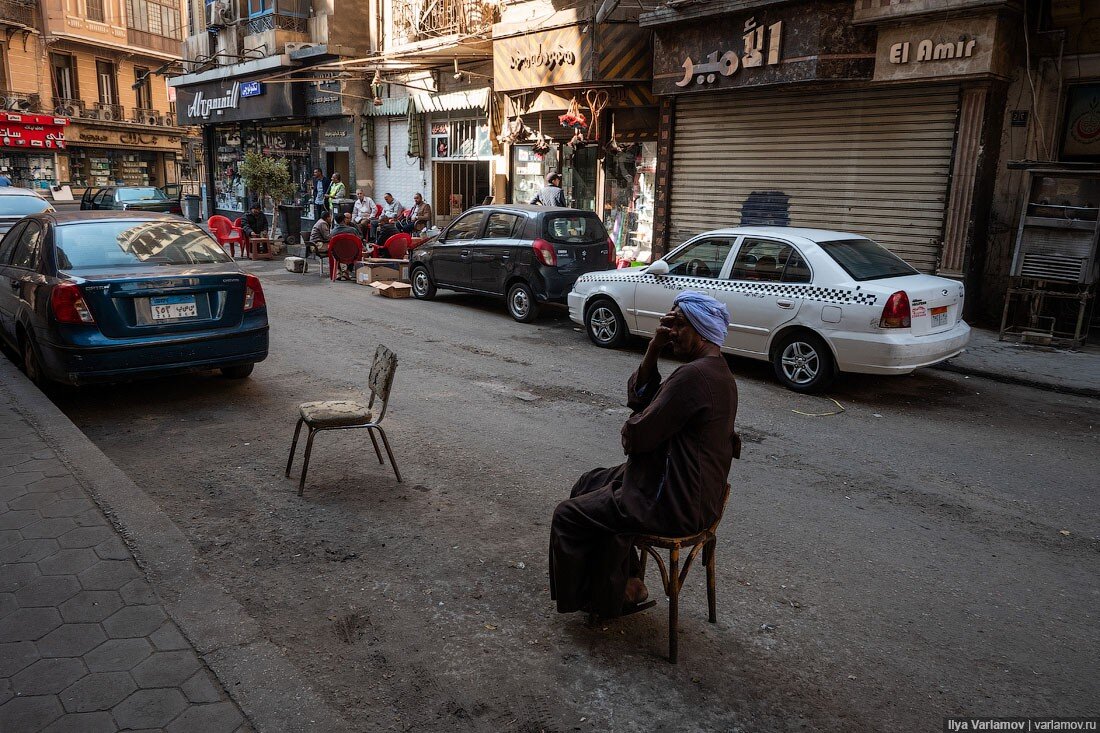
673,591
712,582
293,445
386,442
377,452
305,464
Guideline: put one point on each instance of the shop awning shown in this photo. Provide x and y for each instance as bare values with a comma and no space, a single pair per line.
394,107
472,99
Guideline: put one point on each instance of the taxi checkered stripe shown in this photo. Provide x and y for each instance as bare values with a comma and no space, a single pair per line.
841,296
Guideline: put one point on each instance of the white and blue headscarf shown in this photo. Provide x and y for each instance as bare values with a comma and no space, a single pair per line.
709,317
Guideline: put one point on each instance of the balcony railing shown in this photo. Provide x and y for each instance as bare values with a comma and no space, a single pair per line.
284,15
418,20
19,101
106,111
273,21
145,116
152,41
18,12
64,107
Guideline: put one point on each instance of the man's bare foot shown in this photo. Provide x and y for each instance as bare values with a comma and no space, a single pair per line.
636,592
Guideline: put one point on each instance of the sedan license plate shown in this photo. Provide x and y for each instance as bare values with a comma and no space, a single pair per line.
171,307
939,316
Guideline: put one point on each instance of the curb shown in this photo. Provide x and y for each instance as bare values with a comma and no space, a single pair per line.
271,692
947,366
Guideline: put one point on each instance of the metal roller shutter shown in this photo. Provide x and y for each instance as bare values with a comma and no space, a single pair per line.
872,161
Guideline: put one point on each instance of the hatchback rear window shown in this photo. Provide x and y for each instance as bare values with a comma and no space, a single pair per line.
22,205
575,229
866,260
93,244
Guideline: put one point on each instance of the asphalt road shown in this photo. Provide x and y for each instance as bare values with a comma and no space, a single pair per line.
932,550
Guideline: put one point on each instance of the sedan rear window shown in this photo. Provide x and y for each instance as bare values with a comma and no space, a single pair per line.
575,229
94,244
866,260
141,194
22,205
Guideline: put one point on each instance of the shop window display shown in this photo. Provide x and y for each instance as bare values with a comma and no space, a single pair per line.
630,184
28,170
96,168
291,143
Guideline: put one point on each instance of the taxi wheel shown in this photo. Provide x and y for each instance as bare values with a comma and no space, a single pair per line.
605,324
803,363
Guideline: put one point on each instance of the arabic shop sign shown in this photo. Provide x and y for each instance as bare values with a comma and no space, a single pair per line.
237,101
549,59
252,89
42,132
755,55
201,106
541,59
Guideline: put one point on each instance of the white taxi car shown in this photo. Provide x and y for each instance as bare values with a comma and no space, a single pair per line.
810,301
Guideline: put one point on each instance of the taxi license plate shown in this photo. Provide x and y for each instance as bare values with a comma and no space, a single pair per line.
171,307
939,316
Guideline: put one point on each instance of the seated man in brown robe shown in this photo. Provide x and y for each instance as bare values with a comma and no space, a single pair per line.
679,445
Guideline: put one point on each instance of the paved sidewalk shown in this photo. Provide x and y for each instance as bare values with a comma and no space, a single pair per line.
85,644
1073,371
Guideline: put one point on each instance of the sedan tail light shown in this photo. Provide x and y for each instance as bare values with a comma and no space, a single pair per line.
253,293
896,313
611,254
545,252
68,306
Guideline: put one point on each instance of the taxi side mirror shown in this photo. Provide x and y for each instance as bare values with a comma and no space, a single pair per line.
660,267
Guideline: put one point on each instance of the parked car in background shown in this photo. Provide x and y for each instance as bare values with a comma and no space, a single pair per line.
111,296
15,203
130,198
810,301
527,254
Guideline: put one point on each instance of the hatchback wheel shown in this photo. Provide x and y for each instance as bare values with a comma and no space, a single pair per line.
240,371
802,362
605,325
521,303
423,287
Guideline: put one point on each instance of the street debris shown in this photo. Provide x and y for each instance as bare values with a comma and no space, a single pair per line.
1064,532
840,409
768,628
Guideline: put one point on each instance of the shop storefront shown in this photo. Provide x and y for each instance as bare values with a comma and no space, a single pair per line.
596,77
28,148
99,157
460,151
804,119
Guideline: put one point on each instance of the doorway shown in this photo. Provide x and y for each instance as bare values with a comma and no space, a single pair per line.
456,186
337,161
579,179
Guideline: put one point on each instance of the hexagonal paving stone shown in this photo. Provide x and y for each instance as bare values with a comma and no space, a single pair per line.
113,549
101,722
28,551
200,688
7,604
17,519
47,591
10,492
18,575
31,502
52,528
6,693
29,713
117,655
90,606
9,537
139,592
168,638
71,640
28,624
48,676
68,562
166,669
219,717
134,621
15,656
97,691
86,536
91,518
149,708
109,575
66,507
53,483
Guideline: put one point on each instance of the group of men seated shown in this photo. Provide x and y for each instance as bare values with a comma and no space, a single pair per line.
371,223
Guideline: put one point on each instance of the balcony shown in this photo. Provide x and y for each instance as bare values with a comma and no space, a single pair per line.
19,101
420,20
145,116
105,111
19,13
152,41
277,15
64,107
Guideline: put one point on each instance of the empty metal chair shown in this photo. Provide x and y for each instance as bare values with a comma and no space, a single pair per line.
350,414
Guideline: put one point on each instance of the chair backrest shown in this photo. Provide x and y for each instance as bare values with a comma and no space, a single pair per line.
380,380
377,211
238,222
219,225
398,245
345,248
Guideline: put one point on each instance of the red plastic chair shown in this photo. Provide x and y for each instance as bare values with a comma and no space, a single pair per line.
246,241
343,249
377,211
398,245
226,233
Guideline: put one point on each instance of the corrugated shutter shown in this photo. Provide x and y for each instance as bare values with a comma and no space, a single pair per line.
872,161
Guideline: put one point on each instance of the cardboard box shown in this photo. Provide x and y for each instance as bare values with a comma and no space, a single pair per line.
402,266
392,289
367,274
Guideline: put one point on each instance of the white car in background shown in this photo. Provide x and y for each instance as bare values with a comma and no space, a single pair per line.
810,301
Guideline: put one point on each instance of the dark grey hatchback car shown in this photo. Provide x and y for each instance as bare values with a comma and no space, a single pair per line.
526,254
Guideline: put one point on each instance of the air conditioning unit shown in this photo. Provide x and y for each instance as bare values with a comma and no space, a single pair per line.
106,113
296,46
148,117
219,14
18,104
67,110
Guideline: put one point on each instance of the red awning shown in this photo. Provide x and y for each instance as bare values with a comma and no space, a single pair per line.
42,132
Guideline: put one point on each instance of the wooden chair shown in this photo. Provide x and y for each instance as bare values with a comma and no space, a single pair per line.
350,415
673,576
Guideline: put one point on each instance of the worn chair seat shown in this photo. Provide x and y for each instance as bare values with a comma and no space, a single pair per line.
334,413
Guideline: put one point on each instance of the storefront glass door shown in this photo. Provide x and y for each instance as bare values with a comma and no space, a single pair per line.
630,185
579,180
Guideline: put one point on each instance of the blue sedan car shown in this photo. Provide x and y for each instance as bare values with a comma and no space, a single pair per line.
111,296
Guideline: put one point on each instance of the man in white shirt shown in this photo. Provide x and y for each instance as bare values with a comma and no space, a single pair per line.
392,208
362,212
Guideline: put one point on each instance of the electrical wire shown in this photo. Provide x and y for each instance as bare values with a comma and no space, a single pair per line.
1034,94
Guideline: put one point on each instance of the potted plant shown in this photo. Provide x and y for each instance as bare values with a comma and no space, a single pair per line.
266,178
